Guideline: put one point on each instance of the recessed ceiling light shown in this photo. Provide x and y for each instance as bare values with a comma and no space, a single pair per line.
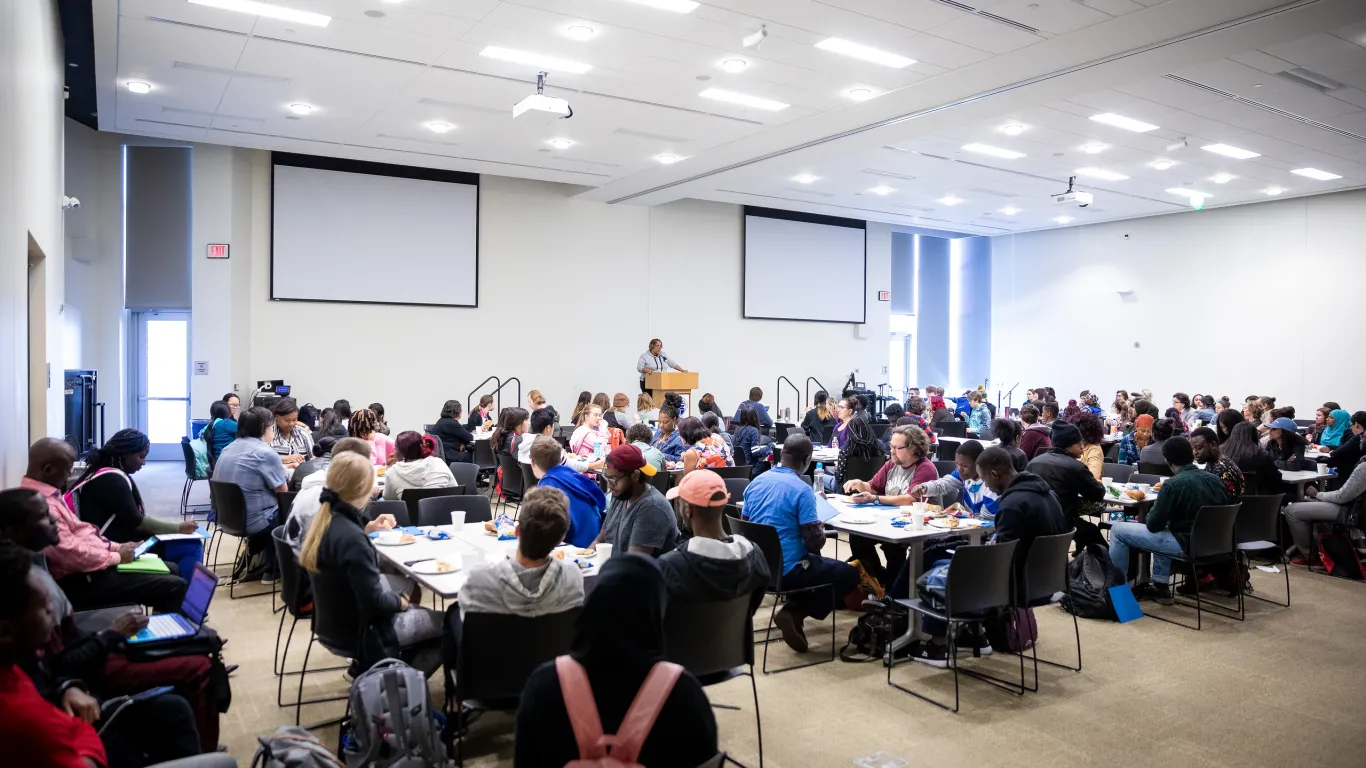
268,10
667,158
1012,129
137,86
1228,151
561,143
882,189
847,48
743,99
1221,178
860,94
535,60
950,200
805,178
1127,123
1093,148
1315,173
734,66
300,108
1010,210
440,127
1062,219
1189,193
1100,173
1161,165
987,149
677,6
578,32
1273,190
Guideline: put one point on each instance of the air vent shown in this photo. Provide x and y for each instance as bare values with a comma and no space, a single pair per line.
959,6
911,207
438,142
466,107
1008,22
1265,107
1310,79
653,136
215,115
993,192
807,192
192,67
585,162
888,174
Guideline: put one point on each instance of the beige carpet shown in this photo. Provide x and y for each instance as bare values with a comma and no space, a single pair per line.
1283,687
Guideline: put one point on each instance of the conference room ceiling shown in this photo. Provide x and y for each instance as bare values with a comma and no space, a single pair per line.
1284,80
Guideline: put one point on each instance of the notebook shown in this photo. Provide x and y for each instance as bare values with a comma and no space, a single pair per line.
165,627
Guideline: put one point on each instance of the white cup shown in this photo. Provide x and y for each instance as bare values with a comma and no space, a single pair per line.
604,551
1323,469
918,508
457,519
471,560
918,520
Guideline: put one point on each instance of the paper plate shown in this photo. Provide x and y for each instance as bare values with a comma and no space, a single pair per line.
381,542
857,519
962,524
433,567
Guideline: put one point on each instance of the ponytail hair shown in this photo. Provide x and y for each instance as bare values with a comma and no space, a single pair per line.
350,479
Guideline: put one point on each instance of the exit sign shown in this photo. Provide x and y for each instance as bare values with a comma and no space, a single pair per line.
218,250
884,295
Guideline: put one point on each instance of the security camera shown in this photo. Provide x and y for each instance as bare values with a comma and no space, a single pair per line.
1079,199
70,202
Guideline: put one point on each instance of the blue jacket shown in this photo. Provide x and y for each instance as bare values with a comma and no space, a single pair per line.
586,503
672,448
764,419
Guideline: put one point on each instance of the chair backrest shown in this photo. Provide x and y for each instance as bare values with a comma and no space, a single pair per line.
466,474
337,620
483,454
709,637
728,472
229,507
880,429
396,508
437,510
291,573
783,429
1152,468
663,481
498,652
765,537
945,468
980,580
1045,568
1139,477
860,468
1112,453
736,487
952,428
1212,531
414,496
529,480
1258,519
191,471
285,500
512,475
1120,473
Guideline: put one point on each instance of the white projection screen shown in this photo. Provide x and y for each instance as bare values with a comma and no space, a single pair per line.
785,248
358,232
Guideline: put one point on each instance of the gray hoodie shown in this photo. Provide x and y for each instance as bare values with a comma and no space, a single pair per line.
506,587
428,472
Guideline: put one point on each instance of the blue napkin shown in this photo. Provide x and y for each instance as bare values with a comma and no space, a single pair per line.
413,529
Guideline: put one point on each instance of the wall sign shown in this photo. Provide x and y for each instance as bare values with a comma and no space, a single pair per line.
218,250
201,367
884,295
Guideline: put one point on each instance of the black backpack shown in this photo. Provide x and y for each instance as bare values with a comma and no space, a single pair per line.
1091,575
875,630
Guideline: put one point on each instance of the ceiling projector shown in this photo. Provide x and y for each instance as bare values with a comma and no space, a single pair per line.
546,107
1079,199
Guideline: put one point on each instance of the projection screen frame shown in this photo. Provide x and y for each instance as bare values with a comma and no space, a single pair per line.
809,218
344,165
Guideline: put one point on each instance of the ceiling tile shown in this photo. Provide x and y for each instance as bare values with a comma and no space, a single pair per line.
985,34
1056,16
1323,53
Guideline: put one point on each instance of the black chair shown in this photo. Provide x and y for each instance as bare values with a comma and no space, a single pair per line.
1150,468
859,468
1258,531
945,450
1139,477
437,510
945,468
337,623
414,496
662,481
396,508
230,512
952,428
1112,453
715,642
978,585
511,481
285,500
498,652
298,605
728,472
484,458
782,429
880,430
1045,575
1119,473
1211,543
736,486
466,475
765,537
529,480
191,475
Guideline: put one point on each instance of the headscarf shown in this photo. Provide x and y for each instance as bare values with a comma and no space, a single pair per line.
620,633
1143,430
1333,435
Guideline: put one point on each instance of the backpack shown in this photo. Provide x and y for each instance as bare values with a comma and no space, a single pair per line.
875,630
391,720
72,498
1339,556
1014,631
293,747
201,457
1091,574
205,642
619,750
933,584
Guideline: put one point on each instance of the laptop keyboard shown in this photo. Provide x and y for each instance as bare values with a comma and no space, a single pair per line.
160,626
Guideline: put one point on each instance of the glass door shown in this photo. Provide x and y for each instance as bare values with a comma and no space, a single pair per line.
162,367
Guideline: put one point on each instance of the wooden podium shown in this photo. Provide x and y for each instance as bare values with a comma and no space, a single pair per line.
659,382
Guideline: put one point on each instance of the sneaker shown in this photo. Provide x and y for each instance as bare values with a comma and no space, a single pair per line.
1188,586
931,653
790,625
1305,562
1162,594
269,578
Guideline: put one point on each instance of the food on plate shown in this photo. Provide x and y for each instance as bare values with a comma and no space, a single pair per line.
381,470
951,522
406,538
559,554
586,552
444,567
1135,494
490,527
1157,487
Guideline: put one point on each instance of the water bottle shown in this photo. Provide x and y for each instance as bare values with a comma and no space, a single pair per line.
597,450
818,480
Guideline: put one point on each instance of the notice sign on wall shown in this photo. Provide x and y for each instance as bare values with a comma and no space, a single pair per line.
218,250
201,367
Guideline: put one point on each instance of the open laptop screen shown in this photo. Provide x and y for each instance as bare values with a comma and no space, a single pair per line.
197,596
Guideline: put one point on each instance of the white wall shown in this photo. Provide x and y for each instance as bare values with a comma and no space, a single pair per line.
1254,299
31,74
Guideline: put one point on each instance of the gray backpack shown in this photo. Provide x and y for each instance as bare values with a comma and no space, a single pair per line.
391,720
293,747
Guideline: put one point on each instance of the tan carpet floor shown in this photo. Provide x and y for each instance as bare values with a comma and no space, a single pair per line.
1282,688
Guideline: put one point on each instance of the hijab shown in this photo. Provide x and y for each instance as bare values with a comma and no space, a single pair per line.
1333,436
621,627
1143,430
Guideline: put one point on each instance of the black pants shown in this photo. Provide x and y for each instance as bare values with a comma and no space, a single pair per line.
101,589
865,551
450,642
642,388
149,732
819,570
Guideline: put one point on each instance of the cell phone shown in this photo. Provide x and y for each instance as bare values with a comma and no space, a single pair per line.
142,548
151,693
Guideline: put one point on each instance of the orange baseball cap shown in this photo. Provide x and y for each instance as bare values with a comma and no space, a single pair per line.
701,488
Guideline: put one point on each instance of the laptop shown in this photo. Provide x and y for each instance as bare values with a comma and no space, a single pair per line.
164,627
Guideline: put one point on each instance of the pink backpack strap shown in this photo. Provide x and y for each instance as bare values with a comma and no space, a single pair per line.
581,708
640,718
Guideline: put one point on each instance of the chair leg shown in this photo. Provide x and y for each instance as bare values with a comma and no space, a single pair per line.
834,601
278,632
758,722
299,702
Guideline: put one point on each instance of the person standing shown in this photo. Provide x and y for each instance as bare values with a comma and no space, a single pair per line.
655,360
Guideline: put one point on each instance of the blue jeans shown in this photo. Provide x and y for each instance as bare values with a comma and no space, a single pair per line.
1162,544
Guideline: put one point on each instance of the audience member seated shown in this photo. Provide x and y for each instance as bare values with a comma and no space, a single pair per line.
979,416
1168,527
845,411
646,410
585,400
416,466
1162,431
704,449
939,407
915,410
481,416
456,441
47,721
250,464
707,404
95,657
106,496
364,425
586,501
1286,445
292,440
1132,444
860,444
621,416
337,542
1048,413
1225,422
1079,492
309,499
1259,470
717,427
1205,446
1324,507
85,563
507,436
221,429
640,436
1008,433
535,401
336,423
963,482
618,639
1344,457
1026,509
381,424
820,420
591,437
746,441
782,499
1036,437
1092,433
894,412
639,519
755,395
910,465
711,565
1184,414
